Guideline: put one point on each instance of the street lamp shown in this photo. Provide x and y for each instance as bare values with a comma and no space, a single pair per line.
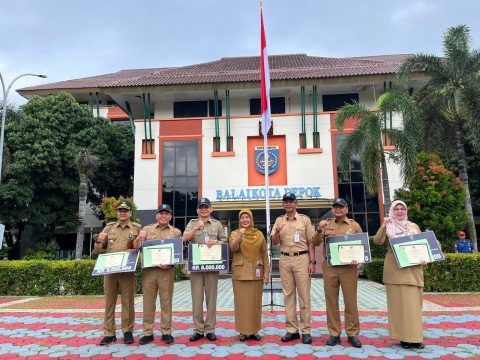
4,111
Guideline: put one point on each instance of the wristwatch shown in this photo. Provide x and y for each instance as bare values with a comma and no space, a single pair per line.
313,261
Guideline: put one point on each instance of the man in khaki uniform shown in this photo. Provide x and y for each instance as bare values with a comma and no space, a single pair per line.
344,276
118,236
158,280
295,234
204,230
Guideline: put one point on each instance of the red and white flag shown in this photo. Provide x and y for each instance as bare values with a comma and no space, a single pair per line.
264,81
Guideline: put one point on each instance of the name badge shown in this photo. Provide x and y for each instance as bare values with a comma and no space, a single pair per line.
206,238
257,272
297,238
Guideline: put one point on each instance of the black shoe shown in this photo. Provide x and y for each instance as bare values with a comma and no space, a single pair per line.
107,340
333,340
242,337
405,345
353,340
255,337
146,339
306,338
290,336
128,338
196,336
167,339
418,345
211,336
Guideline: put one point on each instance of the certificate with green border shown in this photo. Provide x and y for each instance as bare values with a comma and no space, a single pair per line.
116,262
149,255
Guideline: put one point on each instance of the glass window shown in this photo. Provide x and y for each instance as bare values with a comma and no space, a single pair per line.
180,180
363,207
336,101
185,109
277,105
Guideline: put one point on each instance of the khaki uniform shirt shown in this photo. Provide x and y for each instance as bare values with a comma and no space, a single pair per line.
118,237
212,228
335,228
155,232
300,224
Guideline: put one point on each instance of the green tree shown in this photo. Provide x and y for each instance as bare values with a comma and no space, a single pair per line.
108,207
453,80
41,179
435,199
367,140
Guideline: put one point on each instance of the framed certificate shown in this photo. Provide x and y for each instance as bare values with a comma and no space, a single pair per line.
411,250
162,252
212,253
117,262
201,258
349,253
341,250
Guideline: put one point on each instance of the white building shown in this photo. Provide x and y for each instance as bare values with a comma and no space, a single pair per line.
197,132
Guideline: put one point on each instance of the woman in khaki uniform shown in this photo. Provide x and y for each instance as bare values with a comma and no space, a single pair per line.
250,267
404,285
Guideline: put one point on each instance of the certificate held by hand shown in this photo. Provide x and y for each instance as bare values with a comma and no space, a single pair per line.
349,253
213,253
161,256
417,254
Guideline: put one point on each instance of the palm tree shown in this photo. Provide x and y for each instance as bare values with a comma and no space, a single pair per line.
453,79
86,164
371,131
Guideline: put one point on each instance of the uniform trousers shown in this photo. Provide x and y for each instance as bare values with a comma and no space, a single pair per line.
295,279
204,285
125,282
334,277
157,282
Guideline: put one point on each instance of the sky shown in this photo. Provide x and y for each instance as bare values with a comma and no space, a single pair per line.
73,39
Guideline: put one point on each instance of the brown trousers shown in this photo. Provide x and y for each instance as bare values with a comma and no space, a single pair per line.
157,281
345,276
125,282
295,279
204,285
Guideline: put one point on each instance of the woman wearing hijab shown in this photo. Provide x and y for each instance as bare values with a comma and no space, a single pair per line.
404,285
250,270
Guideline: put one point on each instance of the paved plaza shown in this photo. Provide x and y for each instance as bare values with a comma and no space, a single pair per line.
71,327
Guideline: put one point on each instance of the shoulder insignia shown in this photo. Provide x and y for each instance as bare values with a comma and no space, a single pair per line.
136,224
213,220
111,223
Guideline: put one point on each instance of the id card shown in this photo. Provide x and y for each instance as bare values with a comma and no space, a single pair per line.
257,272
297,238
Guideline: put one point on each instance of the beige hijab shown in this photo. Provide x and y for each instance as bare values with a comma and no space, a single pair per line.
251,237
399,226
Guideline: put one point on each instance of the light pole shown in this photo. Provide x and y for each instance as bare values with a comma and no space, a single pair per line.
4,111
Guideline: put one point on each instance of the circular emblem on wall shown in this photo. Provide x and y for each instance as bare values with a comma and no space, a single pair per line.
273,160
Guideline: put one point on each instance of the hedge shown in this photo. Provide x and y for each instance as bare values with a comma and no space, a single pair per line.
53,277
458,273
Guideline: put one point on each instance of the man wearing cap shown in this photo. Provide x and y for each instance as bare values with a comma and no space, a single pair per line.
115,237
158,280
294,232
204,230
344,276
463,245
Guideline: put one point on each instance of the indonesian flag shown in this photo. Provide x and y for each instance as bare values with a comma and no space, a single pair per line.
264,81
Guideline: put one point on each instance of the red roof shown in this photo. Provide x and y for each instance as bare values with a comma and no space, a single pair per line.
238,69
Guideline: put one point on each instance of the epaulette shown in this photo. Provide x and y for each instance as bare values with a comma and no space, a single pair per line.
111,223
136,224
213,219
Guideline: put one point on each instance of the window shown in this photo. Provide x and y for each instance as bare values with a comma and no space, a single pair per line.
186,109
180,180
363,207
336,101
277,105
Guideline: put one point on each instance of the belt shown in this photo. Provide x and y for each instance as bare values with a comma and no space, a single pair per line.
294,253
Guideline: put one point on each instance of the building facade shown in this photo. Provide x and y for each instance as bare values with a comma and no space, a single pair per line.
197,133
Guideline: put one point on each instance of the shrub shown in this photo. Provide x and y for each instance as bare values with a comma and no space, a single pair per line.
46,277
458,273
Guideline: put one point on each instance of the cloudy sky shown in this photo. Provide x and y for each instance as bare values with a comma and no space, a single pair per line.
73,39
